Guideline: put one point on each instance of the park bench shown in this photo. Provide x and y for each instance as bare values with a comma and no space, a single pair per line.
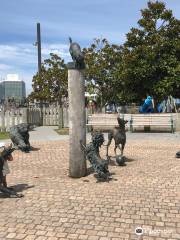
145,122
152,121
104,122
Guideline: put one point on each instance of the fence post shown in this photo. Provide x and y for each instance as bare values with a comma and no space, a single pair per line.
24,115
2,115
177,122
61,122
65,117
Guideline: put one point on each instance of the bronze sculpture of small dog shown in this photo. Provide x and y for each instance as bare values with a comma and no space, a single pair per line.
119,136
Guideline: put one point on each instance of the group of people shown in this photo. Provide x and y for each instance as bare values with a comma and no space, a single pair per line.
19,135
148,106
167,105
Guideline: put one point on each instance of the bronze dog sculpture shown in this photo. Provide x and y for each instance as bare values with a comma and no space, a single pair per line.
100,166
19,135
5,155
119,136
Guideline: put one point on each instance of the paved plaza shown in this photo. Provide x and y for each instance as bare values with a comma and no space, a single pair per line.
144,193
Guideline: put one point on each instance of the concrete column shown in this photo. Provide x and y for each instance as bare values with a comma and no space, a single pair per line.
2,126
77,123
24,115
177,122
61,125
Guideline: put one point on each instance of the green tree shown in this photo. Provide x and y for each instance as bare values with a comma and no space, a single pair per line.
51,84
151,55
102,61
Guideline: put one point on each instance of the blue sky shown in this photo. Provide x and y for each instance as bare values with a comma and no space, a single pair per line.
83,20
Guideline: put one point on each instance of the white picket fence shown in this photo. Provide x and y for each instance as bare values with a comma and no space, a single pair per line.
49,116
11,118
53,116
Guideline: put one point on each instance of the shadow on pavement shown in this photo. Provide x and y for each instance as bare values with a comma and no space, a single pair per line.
21,187
17,188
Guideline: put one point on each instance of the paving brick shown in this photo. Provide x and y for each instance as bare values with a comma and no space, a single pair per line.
41,233
50,234
30,237
11,236
41,238
72,236
83,237
102,233
56,207
93,238
20,236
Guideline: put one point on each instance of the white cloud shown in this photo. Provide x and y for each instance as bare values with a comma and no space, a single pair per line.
22,59
60,49
16,54
4,67
27,53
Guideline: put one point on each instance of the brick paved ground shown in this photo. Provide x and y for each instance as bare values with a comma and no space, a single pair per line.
144,193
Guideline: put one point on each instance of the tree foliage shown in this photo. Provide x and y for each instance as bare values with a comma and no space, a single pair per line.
102,60
51,84
151,54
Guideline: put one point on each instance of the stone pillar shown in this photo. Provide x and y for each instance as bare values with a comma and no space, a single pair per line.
77,123
2,121
25,115
177,122
60,111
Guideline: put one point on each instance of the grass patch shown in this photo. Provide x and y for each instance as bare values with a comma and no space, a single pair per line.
4,135
63,131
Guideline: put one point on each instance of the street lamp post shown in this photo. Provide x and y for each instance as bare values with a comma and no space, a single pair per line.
38,44
39,47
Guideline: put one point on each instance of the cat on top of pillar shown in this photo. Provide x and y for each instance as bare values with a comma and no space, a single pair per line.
76,54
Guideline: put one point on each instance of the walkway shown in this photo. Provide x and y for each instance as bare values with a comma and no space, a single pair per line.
145,193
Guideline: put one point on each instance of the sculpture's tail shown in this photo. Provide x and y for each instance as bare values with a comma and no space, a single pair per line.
70,40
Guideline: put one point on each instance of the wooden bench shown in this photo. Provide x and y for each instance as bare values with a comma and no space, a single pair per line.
104,121
136,121
148,121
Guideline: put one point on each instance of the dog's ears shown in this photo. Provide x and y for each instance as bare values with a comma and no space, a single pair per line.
9,147
92,132
120,120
